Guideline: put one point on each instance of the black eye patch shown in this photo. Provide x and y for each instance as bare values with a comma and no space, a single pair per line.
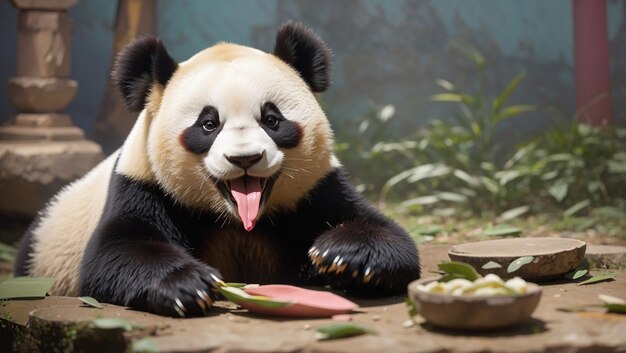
285,133
199,137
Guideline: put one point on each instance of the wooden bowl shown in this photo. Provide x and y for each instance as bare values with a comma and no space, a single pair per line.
464,312
553,257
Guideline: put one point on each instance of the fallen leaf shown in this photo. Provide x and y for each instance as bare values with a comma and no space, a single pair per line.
456,268
145,345
491,265
517,264
91,302
237,295
25,287
108,323
599,278
335,331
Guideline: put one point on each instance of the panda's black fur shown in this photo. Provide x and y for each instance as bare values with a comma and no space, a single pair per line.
153,253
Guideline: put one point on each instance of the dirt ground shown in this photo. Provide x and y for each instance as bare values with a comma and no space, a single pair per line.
62,324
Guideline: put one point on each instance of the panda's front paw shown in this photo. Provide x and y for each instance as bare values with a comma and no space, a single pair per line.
365,260
185,292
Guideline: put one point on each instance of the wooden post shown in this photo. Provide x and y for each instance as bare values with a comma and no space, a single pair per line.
134,18
591,60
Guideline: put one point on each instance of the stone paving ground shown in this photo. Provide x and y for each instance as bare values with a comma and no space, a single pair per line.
62,324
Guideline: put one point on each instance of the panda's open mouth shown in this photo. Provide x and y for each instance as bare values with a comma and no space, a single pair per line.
247,194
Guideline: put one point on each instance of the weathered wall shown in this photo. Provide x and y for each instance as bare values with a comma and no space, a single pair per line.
386,51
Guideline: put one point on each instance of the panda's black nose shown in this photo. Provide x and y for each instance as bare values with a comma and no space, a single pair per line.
246,161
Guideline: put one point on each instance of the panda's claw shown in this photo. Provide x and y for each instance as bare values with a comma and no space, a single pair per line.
179,307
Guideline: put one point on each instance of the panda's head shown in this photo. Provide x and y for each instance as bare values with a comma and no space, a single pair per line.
233,130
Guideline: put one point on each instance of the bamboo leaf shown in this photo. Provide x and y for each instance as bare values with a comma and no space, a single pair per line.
457,268
445,84
613,304
599,278
410,307
513,213
503,231
25,287
512,111
517,264
145,345
559,189
580,270
236,295
236,285
576,208
491,265
109,323
340,330
91,302
508,90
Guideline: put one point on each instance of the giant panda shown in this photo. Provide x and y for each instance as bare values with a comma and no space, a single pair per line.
228,174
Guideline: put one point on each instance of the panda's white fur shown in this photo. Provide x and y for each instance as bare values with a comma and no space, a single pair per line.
60,237
153,225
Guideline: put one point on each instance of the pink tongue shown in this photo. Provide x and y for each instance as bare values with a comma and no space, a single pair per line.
247,193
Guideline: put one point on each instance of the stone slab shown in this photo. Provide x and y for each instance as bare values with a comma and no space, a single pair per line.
606,256
226,330
40,134
32,172
43,120
41,95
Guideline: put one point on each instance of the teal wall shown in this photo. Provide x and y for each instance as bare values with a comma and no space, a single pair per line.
385,51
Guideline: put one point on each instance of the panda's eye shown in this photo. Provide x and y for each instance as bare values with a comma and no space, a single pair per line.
209,126
270,121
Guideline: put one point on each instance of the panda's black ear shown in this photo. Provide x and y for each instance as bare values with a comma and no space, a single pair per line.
306,52
141,64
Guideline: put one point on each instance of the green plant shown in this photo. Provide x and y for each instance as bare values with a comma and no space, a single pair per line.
370,161
460,167
460,161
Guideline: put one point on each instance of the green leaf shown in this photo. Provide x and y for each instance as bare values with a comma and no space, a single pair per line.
613,304
580,270
445,84
236,284
145,345
419,201
109,323
513,213
491,265
453,97
616,308
503,231
512,111
237,295
599,278
459,269
7,257
576,208
610,212
340,330
517,264
470,180
558,190
410,307
91,302
428,229
8,248
452,196
25,287
508,90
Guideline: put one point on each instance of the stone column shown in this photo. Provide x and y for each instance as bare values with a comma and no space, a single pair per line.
41,149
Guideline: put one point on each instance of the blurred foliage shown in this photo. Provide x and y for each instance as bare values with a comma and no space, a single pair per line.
362,149
459,168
